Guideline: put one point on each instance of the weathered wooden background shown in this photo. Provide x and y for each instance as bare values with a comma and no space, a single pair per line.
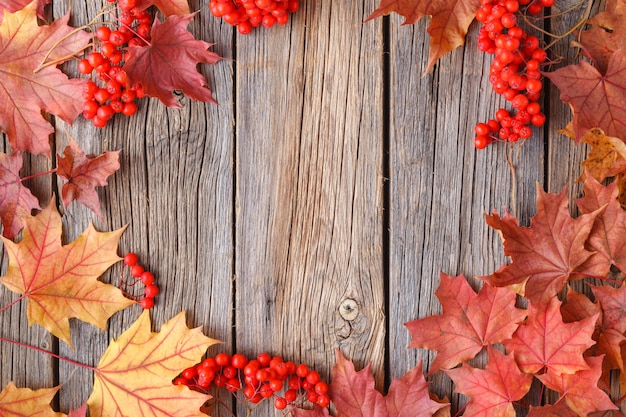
315,206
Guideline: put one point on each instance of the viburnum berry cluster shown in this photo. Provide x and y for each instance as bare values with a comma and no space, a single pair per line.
259,378
515,70
247,14
139,273
109,91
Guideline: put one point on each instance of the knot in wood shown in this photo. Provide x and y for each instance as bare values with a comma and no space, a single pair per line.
349,309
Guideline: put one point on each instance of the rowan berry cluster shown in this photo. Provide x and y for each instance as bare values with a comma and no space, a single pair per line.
515,70
109,90
139,273
259,378
247,14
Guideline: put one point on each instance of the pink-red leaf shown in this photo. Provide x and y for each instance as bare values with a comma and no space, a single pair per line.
450,20
167,7
546,343
580,390
549,252
468,323
27,88
169,62
83,173
15,198
597,100
492,391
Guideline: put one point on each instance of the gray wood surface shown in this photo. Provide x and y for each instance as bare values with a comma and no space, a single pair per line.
313,208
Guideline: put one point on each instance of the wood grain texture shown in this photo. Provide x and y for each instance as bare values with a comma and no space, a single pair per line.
309,188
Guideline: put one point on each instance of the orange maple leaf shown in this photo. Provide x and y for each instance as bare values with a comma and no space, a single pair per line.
134,376
15,5
27,402
450,20
61,282
26,87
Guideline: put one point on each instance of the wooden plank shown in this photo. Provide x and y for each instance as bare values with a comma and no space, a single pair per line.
174,191
440,185
309,188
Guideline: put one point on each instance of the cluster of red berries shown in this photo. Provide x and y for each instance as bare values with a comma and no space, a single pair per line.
247,14
514,72
139,273
260,378
109,91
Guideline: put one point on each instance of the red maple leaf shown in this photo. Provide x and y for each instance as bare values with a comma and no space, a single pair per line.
606,33
492,391
84,173
167,7
545,342
354,395
559,409
169,62
580,390
597,100
450,20
468,322
15,198
609,228
15,5
26,87
548,253
613,304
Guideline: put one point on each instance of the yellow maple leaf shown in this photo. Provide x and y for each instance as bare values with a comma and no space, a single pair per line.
61,282
134,376
27,402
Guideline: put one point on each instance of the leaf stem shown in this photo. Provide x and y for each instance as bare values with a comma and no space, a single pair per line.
12,303
47,352
39,174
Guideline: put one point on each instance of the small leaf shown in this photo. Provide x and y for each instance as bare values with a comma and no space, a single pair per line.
134,376
27,402
15,198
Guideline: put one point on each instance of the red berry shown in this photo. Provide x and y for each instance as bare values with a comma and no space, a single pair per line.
280,403
147,303
239,361
151,290
147,278
136,271
84,67
131,259
222,359
481,142
129,109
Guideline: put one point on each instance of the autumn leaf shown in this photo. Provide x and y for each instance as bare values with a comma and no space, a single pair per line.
354,395
60,282
83,173
606,33
28,89
607,157
316,411
134,376
169,62
597,100
580,390
559,409
546,254
79,412
167,7
546,343
609,229
15,5
27,402
492,391
468,322
15,198
578,307
450,20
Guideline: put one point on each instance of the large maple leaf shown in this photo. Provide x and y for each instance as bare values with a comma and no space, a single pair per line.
15,198
83,173
27,402
134,376
169,62
450,20
468,322
492,391
597,100
15,5
580,390
167,7
546,254
60,282
609,228
354,395
28,88
546,343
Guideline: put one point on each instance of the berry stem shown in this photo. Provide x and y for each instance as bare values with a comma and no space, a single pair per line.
47,352
39,174
12,303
